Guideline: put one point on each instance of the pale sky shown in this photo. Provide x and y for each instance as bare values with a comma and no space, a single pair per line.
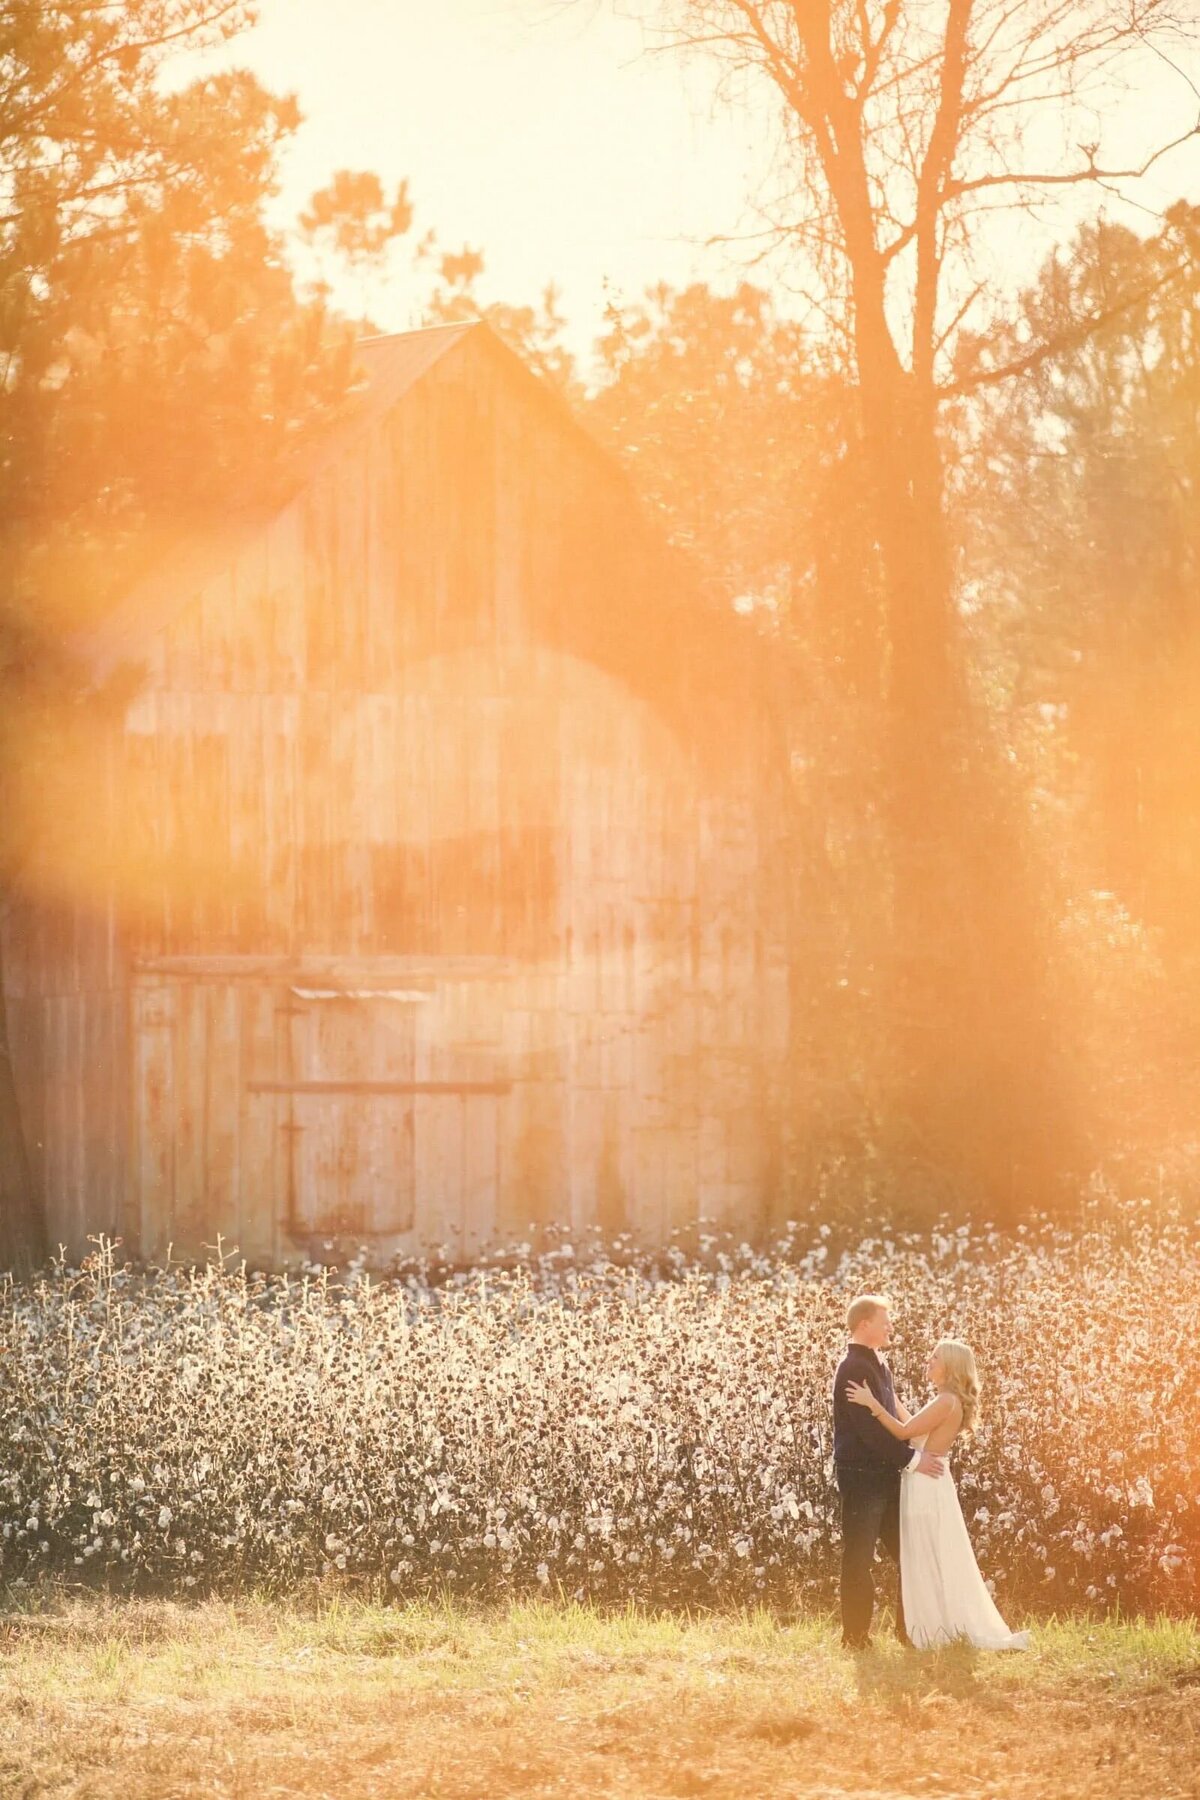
550,135
544,134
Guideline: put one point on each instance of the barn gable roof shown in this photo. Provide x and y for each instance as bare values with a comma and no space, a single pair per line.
720,648
391,365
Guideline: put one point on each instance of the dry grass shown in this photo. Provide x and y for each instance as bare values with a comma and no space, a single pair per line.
139,1699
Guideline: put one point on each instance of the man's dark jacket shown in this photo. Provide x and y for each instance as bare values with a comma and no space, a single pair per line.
859,1440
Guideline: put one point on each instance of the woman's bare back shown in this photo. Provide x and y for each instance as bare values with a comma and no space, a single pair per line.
942,1434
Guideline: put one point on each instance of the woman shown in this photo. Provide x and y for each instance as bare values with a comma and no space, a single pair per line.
944,1593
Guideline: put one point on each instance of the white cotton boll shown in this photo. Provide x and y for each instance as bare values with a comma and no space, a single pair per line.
165,1515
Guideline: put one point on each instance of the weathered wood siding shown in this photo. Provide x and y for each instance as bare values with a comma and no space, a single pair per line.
449,869
67,1008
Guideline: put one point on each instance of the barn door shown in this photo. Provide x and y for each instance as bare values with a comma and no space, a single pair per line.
347,1114
272,1114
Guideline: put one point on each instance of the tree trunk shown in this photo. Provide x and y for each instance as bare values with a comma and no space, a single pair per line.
977,1102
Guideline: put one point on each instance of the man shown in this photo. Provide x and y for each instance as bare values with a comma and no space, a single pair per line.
868,1464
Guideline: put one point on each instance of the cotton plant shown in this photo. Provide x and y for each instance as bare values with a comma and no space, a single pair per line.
594,1422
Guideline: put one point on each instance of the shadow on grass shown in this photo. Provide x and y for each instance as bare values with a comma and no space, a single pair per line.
907,1680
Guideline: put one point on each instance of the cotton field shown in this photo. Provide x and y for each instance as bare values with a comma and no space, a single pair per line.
596,1425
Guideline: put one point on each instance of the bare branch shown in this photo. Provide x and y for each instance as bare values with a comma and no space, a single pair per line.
1091,172
932,183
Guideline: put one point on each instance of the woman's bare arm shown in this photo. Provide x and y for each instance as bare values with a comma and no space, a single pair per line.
938,1409
902,1412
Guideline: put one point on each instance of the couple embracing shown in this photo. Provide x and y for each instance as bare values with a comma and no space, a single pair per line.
896,1488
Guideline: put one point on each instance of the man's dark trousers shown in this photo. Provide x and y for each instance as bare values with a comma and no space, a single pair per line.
867,1462
870,1515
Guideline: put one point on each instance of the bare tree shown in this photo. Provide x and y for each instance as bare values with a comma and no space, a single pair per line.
911,124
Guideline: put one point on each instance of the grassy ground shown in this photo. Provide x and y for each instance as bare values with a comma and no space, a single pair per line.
106,1699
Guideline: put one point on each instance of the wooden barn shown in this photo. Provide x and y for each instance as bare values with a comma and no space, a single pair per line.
442,891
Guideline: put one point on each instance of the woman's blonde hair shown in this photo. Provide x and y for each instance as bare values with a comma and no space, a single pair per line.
962,1377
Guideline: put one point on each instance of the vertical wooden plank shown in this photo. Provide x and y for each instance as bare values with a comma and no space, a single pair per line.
416,830
584,1137
350,772
314,599
260,1200
53,1126
679,1174
91,1092
316,897
437,1140
74,1119
102,1085
141,822
285,672
310,1149
26,1029
155,1016
350,1027
221,1111
190,1221
180,648
509,495
217,632
250,632
174,781
379,767
66,1125
382,623
390,1207
481,1167
284,821
244,875
120,1051
650,1218
711,1161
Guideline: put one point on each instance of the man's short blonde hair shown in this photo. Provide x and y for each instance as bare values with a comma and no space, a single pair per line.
865,1306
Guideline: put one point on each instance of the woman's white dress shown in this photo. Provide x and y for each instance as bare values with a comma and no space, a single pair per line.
944,1594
